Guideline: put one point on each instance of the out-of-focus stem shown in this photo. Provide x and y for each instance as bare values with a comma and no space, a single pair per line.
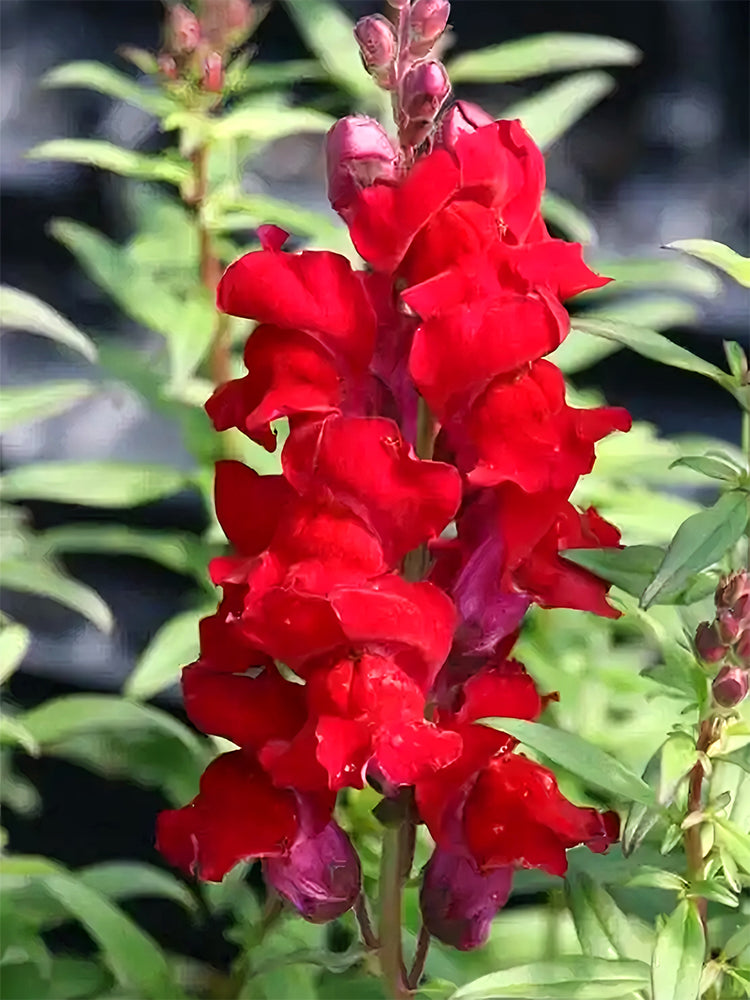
692,838
420,957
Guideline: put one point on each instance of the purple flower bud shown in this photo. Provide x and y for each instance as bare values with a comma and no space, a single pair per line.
425,87
732,588
742,649
320,876
184,29
462,119
358,152
427,21
376,39
709,643
458,903
730,686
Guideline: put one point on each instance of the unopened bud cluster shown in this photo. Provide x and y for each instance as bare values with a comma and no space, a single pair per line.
398,60
726,640
197,45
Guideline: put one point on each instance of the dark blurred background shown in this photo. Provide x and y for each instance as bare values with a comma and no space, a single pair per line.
665,158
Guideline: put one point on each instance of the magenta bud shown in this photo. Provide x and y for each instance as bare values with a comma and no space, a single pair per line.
709,643
458,903
729,625
167,66
730,686
184,29
320,876
425,87
732,589
461,119
742,649
427,21
377,41
213,73
358,153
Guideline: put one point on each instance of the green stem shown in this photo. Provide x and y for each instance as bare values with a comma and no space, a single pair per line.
391,954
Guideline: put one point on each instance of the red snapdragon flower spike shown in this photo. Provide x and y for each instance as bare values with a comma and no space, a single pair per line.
237,815
515,814
458,902
320,877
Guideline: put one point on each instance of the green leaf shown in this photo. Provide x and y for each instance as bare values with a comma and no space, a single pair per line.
592,765
180,552
173,646
736,358
135,959
714,890
678,955
677,757
77,977
28,404
536,55
657,878
90,75
737,943
568,219
108,156
14,644
650,344
92,484
21,311
14,733
574,977
264,119
723,257
128,879
700,541
247,211
642,273
734,840
45,580
548,114
630,568
603,929
714,468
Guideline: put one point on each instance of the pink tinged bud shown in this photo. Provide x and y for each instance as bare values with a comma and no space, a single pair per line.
213,73
742,649
167,66
458,903
320,876
427,22
184,29
730,686
709,643
377,41
461,119
358,153
729,625
425,88
398,4
732,588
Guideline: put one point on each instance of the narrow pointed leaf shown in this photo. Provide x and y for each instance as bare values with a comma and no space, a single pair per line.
108,156
700,541
734,840
723,257
91,75
264,119
603,929
45,580
536,55
129,879
92,484
28,404
630,568
549,114
174,646
592,765
714,468
21,311
14,643
574,977
14,733
678,957
672,274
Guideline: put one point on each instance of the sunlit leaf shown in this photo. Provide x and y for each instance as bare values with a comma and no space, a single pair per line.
678,955
536,55
723,257
641,273
714,468
44,580
603,929
630,568
174,646
92,484
108,156
14,643
27,404
700,542
91,75
592,765
14,733
574,977
548,114
21,311
128,879
266,118
735,840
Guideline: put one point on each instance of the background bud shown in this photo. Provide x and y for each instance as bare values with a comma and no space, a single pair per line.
213,73
458,903
427,22
376,39
730,686
709,643
358,152
320,876
183,29
167,66
425,87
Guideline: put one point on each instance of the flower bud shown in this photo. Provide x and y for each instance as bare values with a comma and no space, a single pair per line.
184,30
742,649
732,588
425,87
225,23
461,119
320,876
728,625
167,66
377,41
358,152
458,903
213,73
709,643
730,686
427,21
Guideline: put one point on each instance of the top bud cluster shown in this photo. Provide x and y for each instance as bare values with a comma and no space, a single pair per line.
398,60
196,46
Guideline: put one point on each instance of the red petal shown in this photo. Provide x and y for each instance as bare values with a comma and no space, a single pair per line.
249,506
